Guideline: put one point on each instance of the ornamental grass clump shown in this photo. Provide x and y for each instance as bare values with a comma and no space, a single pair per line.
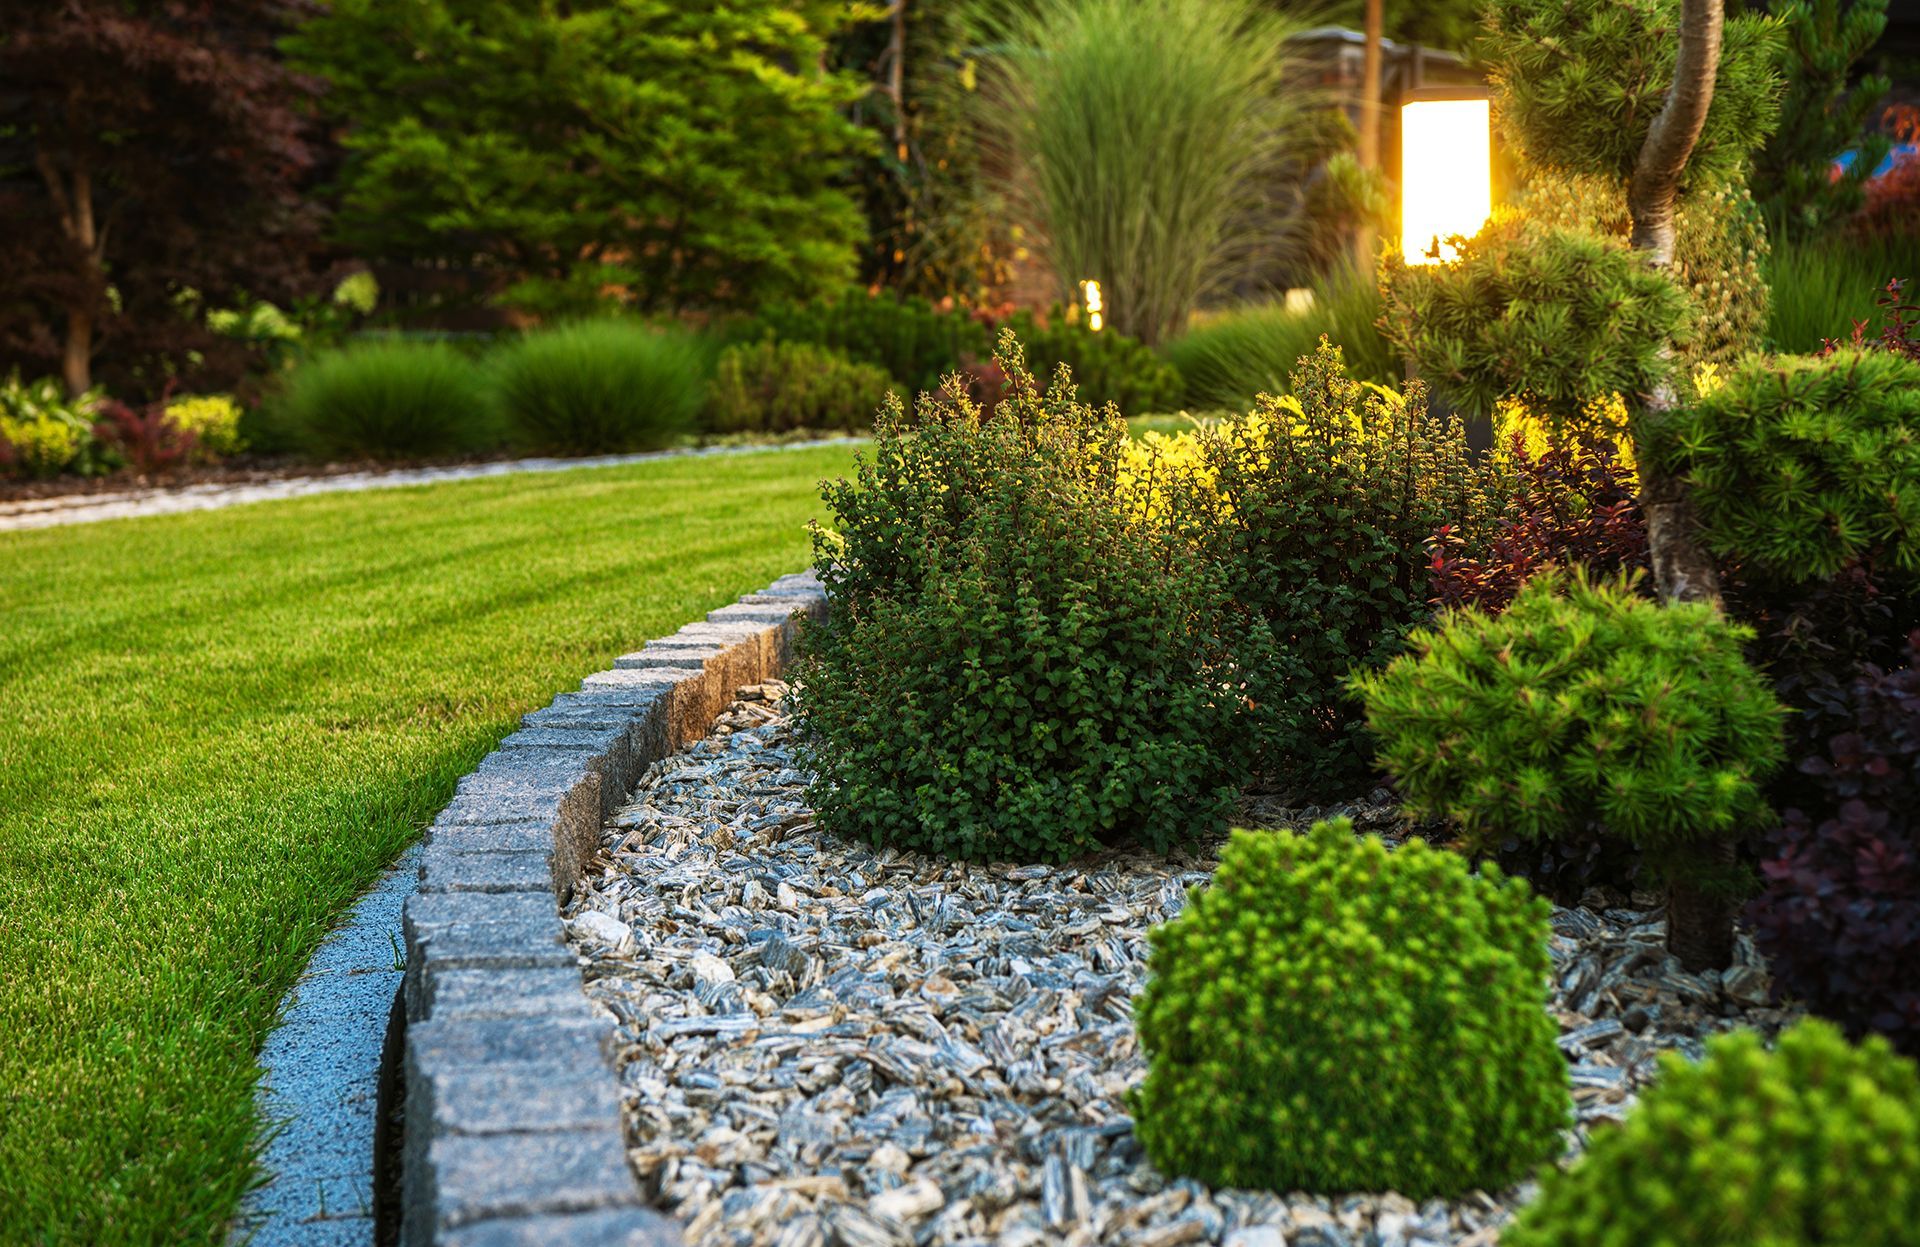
1805,465
1330,1016
1813,1143
1019,662
601,386
1585,707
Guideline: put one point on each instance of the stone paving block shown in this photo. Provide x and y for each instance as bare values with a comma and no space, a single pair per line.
447,870
437,1044
693,656
774,613
426,912
551,992
529,945
490,837
460,1180
512,1099
626,1227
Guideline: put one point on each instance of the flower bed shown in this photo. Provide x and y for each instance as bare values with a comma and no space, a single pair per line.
821,1042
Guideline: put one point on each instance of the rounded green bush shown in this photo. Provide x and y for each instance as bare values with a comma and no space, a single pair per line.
1803,465
1582,702
1816,1142
388,400
1333,1016
774,387
598,387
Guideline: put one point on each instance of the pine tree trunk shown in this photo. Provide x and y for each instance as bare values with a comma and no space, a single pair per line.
1699,910
76,360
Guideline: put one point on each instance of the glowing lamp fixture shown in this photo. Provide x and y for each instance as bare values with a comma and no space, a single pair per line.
1090,292
1446,170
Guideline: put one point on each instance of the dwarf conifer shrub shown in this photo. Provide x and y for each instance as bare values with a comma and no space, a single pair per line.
1582,706
1815,1142
1019,663
1553,317
1319,505
1331,1016
1805,464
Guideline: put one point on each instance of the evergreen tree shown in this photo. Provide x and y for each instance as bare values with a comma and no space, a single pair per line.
1824,114
672,155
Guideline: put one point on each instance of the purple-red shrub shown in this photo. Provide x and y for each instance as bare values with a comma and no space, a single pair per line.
144,436
1840,914
1572,504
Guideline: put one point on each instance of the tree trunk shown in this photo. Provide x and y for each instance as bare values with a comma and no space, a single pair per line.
1369,153
73,202
76,360
1699,910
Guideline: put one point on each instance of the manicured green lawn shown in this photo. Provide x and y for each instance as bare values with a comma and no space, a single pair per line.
216,729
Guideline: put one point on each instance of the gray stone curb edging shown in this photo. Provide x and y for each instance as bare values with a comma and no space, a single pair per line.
513,1132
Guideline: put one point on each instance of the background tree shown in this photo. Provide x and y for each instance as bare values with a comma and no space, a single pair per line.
149,152
1825,113
667,154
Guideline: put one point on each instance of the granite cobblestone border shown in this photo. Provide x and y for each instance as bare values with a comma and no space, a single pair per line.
512,1131
489,1114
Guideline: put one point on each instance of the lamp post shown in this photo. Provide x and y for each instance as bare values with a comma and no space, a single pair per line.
1446,169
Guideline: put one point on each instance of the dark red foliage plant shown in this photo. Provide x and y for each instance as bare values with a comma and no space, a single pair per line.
153,155
1840,914
1899,326
1574,503
144,436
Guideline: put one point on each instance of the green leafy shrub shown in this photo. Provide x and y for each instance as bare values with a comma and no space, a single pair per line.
1227,362
1804,464
916,343
1557,318
1812,1143
596,387
1319,505
1107,366
1330,1016
1577,85
391,399
1018,664
1582,704
772,387
44,433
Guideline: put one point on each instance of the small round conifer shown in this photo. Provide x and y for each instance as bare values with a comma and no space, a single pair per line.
1816,1142
1331,1016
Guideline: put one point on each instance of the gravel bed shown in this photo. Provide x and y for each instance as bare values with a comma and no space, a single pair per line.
827,1044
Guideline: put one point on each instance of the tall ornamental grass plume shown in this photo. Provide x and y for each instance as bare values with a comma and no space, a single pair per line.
1814,1144
388,400
1154,142
1021,661
1332,1016
601,386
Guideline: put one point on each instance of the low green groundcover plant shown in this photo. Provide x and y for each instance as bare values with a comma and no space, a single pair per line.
388,400
1018,663
1582,705
598,387
1806,464
1332,1016
774,387
43,432
1814,1143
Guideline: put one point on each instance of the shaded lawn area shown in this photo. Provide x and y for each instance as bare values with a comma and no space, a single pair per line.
216,729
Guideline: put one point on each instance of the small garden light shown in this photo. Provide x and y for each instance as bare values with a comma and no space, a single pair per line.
1446,169
1090,293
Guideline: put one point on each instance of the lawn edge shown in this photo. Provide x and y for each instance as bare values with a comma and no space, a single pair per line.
469,1099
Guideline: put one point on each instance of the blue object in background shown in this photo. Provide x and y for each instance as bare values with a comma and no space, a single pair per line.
1899,152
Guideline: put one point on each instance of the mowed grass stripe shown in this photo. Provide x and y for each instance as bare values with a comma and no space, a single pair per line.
215,729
